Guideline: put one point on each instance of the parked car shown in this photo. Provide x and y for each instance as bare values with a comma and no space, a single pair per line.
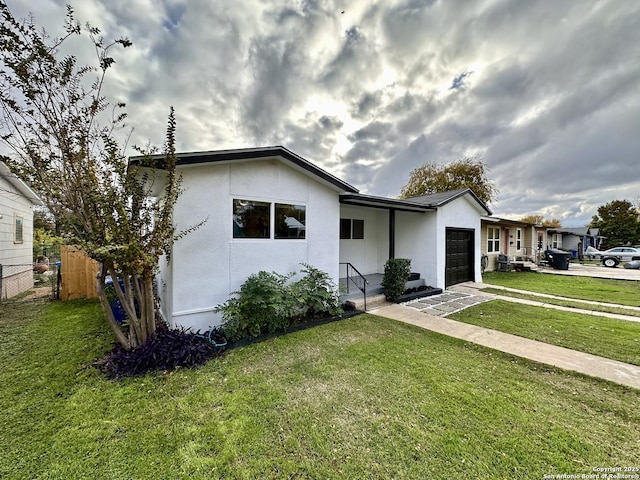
613,256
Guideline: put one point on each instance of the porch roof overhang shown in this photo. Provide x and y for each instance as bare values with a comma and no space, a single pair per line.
508,221
371,201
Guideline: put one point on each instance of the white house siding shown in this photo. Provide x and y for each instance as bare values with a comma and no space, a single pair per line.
416,240
16,258
164,281
369,254
209,264
460,213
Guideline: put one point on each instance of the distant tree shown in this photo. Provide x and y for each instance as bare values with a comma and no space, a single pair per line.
540,220
463,173
43,220
618,221
552,223
60,129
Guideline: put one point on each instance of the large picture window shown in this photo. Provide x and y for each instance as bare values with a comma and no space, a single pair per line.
251,219
493,239
290,221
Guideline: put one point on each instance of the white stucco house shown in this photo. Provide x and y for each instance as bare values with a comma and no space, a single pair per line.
16,234
270,209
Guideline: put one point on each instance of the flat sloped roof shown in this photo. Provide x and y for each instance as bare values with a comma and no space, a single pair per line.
243,154
372,201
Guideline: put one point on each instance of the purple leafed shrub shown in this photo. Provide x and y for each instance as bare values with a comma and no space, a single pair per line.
170,348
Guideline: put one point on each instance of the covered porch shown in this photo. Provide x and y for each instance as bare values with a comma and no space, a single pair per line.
373,230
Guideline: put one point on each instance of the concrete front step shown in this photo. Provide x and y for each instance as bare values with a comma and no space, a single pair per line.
373,301
524,266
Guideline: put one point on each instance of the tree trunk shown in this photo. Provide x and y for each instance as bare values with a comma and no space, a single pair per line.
117,331
135,293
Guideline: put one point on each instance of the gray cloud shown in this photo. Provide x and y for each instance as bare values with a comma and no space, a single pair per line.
546,92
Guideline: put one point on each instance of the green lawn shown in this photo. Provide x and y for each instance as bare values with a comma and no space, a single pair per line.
362,398
623,292
610,338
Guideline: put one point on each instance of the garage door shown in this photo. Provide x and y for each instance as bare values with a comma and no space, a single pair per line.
459,256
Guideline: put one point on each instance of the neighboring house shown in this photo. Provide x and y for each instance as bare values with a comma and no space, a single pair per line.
575,240
270,209
515,239
16,234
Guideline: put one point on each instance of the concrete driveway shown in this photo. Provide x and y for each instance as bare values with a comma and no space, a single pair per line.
597,271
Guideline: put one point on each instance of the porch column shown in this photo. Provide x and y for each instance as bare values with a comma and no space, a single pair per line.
392,233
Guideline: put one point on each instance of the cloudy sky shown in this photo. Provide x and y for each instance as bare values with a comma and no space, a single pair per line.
547,92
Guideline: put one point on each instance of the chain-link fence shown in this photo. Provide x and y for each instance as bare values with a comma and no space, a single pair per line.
29,281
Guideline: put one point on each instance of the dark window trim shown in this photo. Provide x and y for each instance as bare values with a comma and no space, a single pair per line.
272,220
349,230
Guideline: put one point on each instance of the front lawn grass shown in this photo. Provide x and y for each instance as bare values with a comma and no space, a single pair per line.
365,397
622,292
606,337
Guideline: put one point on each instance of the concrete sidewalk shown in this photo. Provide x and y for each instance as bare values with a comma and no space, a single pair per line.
473,288
592,365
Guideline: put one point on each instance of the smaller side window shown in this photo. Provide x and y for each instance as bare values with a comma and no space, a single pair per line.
345,228
493,239
18,230
351,229
358,229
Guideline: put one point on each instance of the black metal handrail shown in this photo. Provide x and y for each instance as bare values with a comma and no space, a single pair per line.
358,280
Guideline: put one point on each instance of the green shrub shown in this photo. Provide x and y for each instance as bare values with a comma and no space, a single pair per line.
261,304
396,273
317,292
267,302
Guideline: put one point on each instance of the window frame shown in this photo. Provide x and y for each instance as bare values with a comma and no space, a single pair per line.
357,233
18,228
518,239
345,229
493,239
302,233
350,230
270,219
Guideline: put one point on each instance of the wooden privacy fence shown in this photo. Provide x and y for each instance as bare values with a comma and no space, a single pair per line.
78,274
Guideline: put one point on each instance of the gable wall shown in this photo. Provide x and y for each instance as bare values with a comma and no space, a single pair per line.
209,264
460,213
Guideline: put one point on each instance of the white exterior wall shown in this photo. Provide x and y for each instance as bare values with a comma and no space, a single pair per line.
209,264
463,212
369,254
17,258
416,240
